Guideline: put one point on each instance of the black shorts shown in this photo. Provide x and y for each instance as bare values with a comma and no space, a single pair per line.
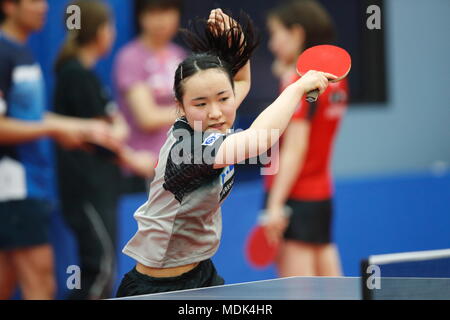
24,223
203,275
311,221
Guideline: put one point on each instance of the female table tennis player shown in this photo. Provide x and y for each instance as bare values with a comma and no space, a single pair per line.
179,227
303,181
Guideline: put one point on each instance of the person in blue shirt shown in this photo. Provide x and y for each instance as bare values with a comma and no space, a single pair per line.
26,174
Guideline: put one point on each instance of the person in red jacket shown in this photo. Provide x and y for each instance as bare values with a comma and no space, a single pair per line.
304,181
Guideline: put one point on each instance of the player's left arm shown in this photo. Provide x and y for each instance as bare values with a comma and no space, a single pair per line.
242,79
242,83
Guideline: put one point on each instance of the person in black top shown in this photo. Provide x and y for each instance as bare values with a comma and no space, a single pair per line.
26,170
89,181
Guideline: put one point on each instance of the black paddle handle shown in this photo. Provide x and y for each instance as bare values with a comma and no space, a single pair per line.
312,96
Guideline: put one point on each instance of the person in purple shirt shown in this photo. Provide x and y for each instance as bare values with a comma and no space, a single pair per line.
143,75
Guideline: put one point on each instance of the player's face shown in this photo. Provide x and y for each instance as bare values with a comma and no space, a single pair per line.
209,98
30,14
284,43
160,24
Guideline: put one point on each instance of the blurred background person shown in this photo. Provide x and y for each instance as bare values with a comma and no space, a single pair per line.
143,76
26,256
383,181
304,181
89,182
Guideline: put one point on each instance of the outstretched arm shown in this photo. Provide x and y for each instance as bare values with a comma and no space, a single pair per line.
242,83
275,118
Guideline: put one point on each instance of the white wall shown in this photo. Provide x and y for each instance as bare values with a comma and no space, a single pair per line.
412,130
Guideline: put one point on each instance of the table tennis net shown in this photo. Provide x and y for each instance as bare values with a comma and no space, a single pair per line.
409,275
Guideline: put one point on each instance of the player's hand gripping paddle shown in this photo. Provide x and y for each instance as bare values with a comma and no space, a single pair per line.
258,249
324,58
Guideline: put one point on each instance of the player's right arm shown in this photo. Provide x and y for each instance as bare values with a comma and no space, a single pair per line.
258,138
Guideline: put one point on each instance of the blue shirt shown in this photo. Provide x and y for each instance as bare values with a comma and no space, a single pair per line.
22,86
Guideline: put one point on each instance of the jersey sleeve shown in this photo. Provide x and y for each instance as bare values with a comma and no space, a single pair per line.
190,163
198,153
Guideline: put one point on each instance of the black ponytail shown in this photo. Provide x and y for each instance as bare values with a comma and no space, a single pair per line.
228,50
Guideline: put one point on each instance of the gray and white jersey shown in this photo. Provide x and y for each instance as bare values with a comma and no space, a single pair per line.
181,222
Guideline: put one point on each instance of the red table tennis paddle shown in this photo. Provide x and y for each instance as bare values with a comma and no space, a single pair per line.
259,251
324,58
